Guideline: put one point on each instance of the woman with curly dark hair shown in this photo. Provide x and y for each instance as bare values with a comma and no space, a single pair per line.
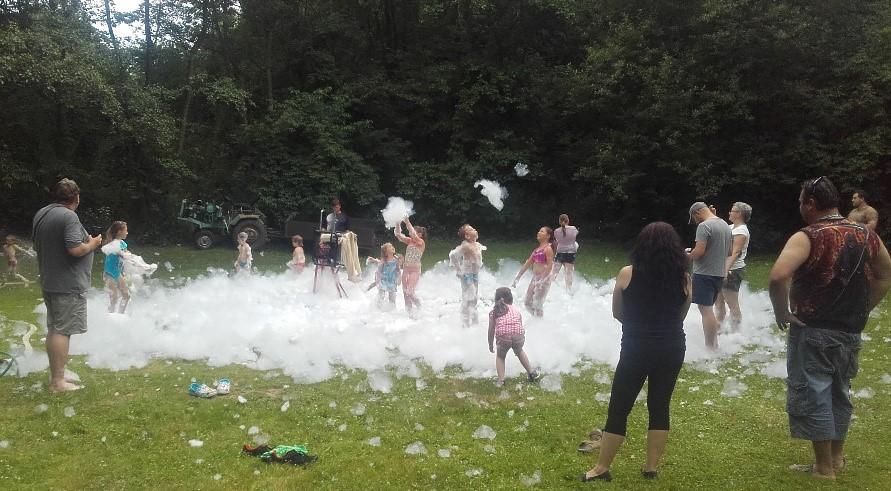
651,299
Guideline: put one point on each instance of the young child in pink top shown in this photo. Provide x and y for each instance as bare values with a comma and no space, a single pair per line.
506,326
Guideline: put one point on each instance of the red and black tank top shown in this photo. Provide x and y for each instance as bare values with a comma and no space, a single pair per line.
830,290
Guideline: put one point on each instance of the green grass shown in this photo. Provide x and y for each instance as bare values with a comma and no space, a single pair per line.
132,428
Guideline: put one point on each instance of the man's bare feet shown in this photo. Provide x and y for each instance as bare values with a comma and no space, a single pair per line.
840,464
812,470
65,386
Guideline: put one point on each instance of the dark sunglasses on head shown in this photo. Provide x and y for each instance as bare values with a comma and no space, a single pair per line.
813,185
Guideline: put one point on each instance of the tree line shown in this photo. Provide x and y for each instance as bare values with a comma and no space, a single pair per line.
625,111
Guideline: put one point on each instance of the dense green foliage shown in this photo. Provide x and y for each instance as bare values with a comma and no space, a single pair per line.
624,111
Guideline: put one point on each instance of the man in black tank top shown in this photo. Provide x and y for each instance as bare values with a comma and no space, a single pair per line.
838,271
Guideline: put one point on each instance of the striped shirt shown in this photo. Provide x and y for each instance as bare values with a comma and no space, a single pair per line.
509,324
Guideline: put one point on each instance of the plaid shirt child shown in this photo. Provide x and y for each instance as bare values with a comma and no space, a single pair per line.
509,324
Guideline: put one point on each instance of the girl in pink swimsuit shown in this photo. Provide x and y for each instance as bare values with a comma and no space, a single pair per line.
541,261
411,270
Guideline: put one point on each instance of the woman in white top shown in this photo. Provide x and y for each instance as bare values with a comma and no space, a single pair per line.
567,247
735,267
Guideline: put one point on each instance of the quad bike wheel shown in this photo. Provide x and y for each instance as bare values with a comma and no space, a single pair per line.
255,230
203,239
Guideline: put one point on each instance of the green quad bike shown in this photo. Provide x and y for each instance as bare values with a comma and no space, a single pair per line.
208,222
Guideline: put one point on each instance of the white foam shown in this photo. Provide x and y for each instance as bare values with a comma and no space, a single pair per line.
532,480
416,448
521,169
494,192
484,432
397,209
275,322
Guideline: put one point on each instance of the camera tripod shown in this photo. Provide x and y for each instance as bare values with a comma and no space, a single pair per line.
326,257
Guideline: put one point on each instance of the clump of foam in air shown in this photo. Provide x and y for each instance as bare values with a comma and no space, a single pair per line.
521,169
494,192
397,209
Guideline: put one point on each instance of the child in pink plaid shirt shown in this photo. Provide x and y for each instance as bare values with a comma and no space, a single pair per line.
506,325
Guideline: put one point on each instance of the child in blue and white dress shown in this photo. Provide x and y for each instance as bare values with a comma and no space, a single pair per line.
121,265
388,274
113,273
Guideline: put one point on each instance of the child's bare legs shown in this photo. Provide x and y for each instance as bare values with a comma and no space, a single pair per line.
569,268
524,360
410,277
13,272
112,285
125,294
536,294
391,298
499,368
530,292
469,297
556,270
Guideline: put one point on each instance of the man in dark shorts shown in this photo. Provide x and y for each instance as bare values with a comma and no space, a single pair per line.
65,259
713,241
838,271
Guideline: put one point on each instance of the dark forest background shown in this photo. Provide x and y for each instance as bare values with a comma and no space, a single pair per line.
625,111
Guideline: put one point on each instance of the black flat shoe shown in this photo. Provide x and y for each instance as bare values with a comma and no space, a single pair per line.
649,474
606,476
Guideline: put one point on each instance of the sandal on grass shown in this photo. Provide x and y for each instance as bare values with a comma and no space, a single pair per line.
201,390
595,435
589,446
606,476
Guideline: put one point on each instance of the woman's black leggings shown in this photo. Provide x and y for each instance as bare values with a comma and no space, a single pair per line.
658,361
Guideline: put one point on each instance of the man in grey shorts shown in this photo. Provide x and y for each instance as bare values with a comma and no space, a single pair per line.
65,259
827,279
713,241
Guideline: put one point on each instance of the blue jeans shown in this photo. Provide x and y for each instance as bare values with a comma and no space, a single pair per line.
820,364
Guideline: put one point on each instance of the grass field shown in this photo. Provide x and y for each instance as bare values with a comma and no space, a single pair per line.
132,428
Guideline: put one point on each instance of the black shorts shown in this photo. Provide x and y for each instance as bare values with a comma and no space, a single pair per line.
734,279
706,288
565,257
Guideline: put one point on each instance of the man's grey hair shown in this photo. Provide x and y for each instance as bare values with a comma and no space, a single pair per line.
745,209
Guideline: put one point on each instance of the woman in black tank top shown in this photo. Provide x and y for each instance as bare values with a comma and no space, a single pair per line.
651,299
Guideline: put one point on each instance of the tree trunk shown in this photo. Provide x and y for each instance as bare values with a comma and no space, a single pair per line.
190,71
114,39
148,41
269,69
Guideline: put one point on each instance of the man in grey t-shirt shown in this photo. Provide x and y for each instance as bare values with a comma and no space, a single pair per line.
65,258
713,243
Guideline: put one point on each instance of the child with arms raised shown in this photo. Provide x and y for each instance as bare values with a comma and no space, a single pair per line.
411,271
